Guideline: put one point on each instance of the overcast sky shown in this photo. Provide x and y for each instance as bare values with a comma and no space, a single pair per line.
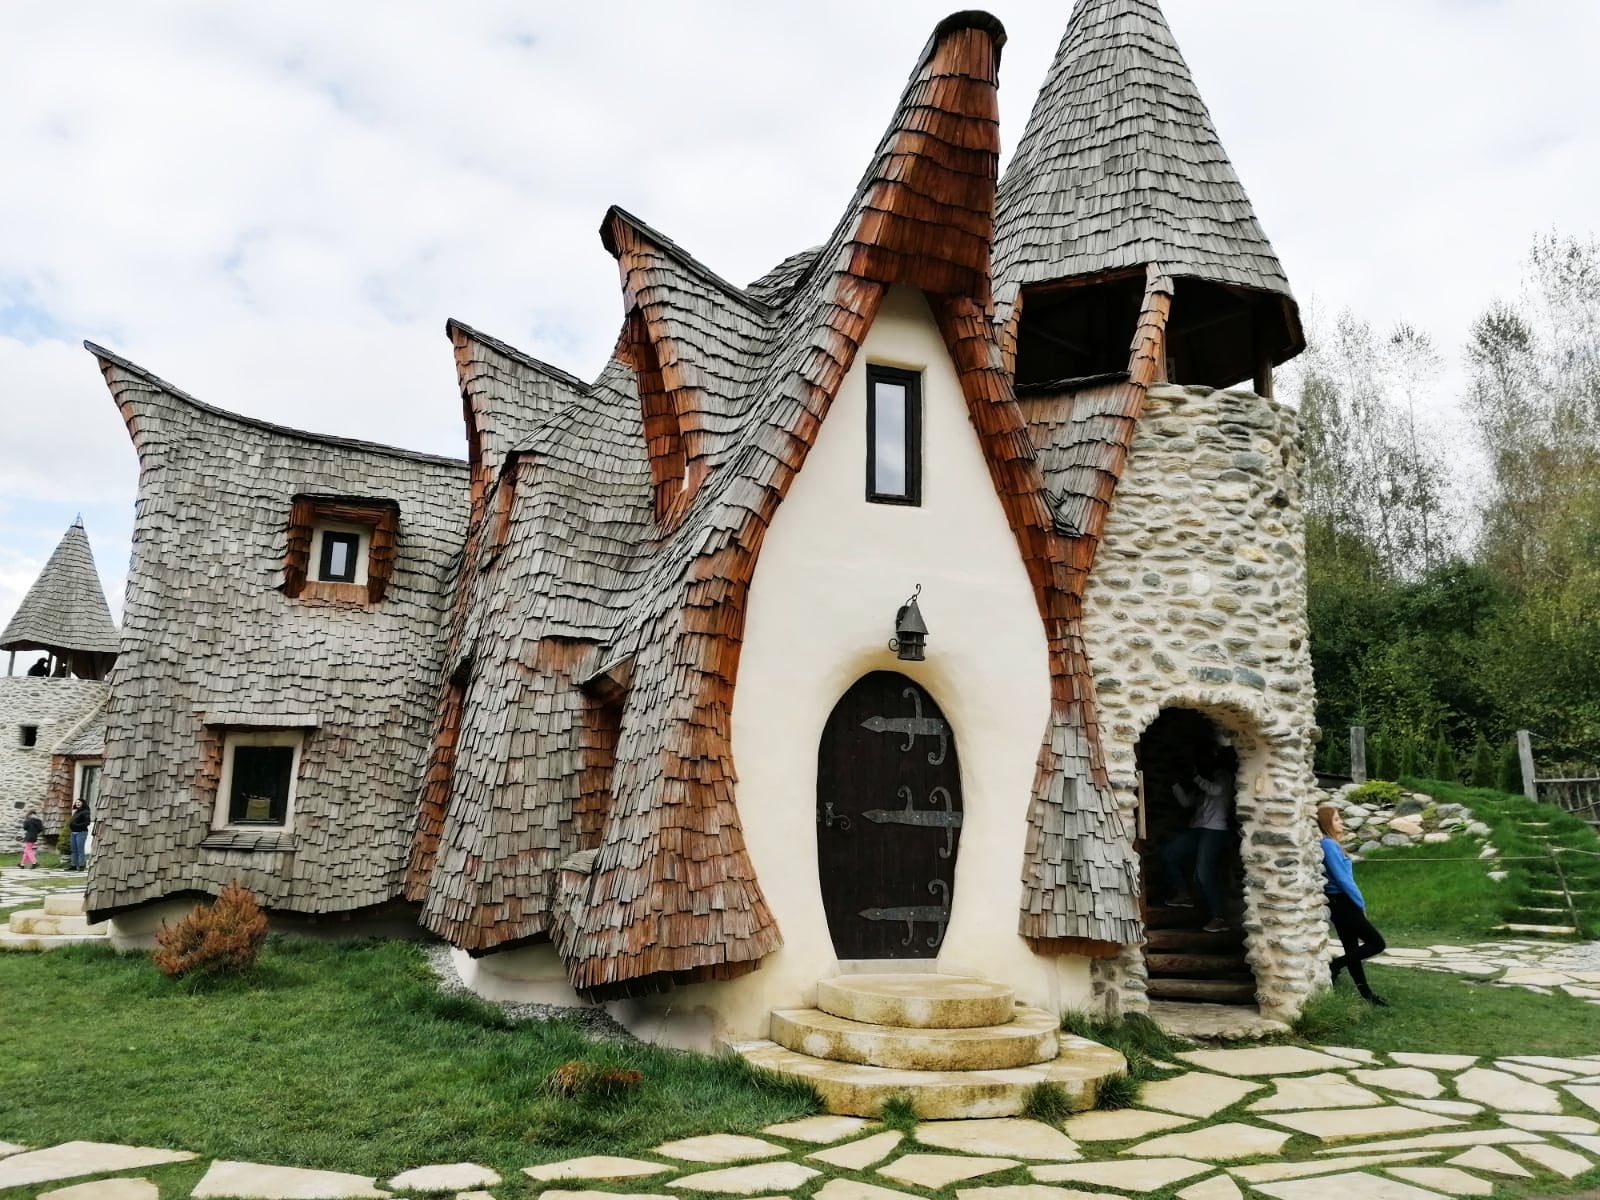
276,206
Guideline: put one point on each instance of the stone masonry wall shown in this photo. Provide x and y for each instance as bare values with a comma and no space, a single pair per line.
55,706
1198,600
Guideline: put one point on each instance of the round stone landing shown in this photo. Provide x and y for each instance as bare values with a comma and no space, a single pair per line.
1030,1037
854,1090
917,1001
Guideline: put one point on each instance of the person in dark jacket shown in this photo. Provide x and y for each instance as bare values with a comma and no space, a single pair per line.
1348,909
78,830
32,828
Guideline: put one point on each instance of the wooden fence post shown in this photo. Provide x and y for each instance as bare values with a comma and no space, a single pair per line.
1358,753
1525,754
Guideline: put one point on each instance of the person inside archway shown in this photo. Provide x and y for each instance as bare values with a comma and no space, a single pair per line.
1199,849
1347,908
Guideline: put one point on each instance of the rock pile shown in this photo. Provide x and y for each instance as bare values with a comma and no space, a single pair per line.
1372,819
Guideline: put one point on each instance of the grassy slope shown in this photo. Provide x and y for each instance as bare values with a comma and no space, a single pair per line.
343,1057
1415,900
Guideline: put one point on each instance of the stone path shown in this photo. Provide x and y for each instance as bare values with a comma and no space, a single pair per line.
1278,1121
23,887
1541,967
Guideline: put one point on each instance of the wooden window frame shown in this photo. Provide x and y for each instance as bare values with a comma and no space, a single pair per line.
912,382
232,739
380,517
344,537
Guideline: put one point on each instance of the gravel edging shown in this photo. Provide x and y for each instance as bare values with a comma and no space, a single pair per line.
594,1021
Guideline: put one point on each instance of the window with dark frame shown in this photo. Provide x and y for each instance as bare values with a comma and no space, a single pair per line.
338,561
894,436
258,793
29,736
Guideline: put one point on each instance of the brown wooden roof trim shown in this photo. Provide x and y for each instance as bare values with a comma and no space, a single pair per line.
305,512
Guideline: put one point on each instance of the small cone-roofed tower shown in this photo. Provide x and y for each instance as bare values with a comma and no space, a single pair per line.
65,612
1121,168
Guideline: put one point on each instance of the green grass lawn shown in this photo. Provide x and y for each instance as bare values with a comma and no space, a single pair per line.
338,1056
1413,898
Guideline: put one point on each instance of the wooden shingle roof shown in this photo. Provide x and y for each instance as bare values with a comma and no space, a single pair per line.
65,609
1120,166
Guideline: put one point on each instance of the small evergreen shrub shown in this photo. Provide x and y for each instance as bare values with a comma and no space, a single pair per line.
1483,765
579,1080
220,938
1410,759
1444,761
1376,793
1047,1102
1511,770
1385,764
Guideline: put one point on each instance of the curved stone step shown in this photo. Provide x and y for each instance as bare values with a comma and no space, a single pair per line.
1029,1038
40,941
920,1000
38,920
64,904
852,1090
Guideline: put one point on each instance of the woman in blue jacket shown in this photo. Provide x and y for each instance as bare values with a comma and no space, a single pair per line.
1348,910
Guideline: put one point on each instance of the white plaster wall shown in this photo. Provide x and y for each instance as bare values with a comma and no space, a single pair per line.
832,573
55,706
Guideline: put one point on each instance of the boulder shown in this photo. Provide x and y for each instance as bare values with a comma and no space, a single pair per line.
1409,826
1409,805
1478,829
1433,839
1396,839
1369,847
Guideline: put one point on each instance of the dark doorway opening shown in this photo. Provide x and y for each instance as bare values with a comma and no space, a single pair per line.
1181,751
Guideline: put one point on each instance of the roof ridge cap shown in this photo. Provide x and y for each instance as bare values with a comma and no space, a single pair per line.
681,256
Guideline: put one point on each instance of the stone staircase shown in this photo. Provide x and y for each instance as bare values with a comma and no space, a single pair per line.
958,1047
1552,913
59,923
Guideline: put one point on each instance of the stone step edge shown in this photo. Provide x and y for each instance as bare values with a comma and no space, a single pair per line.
853,998
851,1090
64,904
1031,1037
45,941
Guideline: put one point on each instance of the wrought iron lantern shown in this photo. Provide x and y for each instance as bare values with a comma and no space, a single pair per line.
910,631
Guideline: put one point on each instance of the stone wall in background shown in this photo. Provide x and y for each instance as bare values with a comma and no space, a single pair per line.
1198,600
55,706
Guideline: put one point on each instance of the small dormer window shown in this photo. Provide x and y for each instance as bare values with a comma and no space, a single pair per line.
340,549
894,436
340,555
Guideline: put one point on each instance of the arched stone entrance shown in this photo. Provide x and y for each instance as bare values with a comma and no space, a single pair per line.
888,820
1183,958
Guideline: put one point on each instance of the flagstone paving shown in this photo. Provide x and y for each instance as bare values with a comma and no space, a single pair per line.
1537,966
1361,1134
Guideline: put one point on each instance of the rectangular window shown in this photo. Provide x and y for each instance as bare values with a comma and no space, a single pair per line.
894,436
340,555
89,783
257,784
28,736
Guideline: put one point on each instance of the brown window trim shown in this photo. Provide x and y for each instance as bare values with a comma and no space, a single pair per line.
912,382
381,516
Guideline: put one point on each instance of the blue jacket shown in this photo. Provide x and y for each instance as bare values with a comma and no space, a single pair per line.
1340,877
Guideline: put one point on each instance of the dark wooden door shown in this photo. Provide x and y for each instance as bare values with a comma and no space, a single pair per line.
888,820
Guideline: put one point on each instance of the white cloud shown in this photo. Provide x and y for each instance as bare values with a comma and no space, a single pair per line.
277,206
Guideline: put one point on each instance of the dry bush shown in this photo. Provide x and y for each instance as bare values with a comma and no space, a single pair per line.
579,1080
220,938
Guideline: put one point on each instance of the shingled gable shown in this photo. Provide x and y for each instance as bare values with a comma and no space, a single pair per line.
212,645
65,610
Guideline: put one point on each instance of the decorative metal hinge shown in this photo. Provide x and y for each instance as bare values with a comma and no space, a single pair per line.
913,727
914,914
827,818
948,820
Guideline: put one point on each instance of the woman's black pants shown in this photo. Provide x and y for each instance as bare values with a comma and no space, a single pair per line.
1359,939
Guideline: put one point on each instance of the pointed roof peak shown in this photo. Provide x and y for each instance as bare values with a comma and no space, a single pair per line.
1120,166
65,609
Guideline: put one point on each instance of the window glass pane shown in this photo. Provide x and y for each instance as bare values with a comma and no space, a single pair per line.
338,563
91,785
338,557
260,792
889,439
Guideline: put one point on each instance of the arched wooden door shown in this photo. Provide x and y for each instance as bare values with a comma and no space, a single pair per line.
888,820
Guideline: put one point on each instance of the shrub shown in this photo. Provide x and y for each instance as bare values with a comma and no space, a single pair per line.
1047,1102
1410,759
1384,763
1444,761
1511,770
1483,765
1377,793
579,1080
220,938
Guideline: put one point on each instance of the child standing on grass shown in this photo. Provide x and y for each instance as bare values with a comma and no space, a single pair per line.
1347,908
32,827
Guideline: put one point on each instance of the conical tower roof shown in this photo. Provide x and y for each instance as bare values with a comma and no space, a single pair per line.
65,609
1120,166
